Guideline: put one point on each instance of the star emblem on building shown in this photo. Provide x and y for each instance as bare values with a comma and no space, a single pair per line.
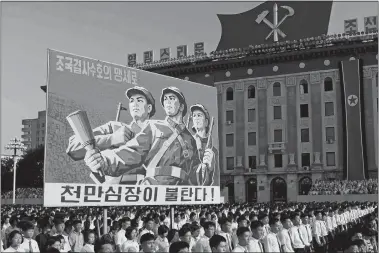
352,100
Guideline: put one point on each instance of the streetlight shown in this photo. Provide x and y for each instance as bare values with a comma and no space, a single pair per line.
15,145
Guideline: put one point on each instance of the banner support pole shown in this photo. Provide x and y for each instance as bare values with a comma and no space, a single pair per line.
172,213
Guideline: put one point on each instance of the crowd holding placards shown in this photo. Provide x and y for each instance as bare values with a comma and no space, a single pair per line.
251,227
342,187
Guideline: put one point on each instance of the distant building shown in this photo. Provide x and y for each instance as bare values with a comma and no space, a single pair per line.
33,131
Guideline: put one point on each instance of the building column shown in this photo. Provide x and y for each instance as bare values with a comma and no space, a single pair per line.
264,190
316,116
221,120
292,187
291,146
239,189
262,124
240,126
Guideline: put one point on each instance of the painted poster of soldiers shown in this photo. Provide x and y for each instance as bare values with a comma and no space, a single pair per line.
119,136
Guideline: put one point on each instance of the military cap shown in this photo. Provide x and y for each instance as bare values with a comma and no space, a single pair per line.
141,90
178,93
200,107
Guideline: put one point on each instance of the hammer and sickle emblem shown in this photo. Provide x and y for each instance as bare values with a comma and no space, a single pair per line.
275,25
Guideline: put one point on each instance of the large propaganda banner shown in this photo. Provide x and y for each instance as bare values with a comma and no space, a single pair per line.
122,136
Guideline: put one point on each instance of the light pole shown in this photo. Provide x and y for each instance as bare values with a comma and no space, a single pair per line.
15,145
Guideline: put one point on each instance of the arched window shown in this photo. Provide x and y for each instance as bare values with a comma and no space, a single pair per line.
276,90
328,84
303,87
251,92
305,185
229,94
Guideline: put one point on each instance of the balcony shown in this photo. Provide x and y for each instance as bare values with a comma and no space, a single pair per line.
26,129
276,147
25,136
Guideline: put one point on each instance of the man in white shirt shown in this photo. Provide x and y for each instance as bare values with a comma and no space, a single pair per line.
29,244
202,245
120,235
59,230
243,234
176,224
218,244
263,217
257,232
297,240
226,232
306,232
318,238
149,225
271,242
283,234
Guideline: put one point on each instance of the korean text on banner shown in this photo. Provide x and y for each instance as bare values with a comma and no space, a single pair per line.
162,150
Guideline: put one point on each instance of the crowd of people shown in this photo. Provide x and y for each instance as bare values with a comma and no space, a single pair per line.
343,187
250,227
23,193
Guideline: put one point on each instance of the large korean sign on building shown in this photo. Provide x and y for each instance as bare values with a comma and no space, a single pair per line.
123,136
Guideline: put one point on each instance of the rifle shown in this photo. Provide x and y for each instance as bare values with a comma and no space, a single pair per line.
207,146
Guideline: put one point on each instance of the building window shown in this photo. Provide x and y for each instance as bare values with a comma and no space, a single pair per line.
278,135
276,90
278,160
229,94
230,140
305,135
251,92
43,139
251,115
229,116
303,87
43,124
304,112
329,109
253,162
277,112
252,139
230,163
330,159
305,159
329,132
328,84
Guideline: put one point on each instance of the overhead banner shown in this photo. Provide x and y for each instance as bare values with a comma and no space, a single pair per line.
353,128
120,136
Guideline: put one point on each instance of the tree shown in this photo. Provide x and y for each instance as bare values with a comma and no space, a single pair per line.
6,165
30,168
6,173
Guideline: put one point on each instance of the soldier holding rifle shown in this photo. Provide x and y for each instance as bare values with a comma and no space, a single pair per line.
202,129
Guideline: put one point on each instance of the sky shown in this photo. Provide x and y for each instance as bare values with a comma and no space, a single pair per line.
107,31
